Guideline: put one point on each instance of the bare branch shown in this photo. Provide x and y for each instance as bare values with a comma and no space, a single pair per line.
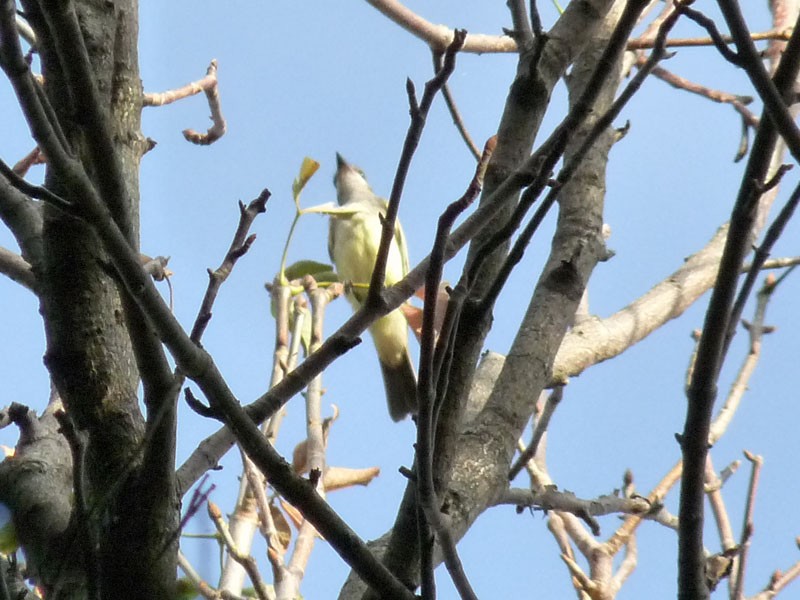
458,121
428,375
419,114
644,42
34,157
210,86
17,269
247,561
710,353
438,37
542,422
239,246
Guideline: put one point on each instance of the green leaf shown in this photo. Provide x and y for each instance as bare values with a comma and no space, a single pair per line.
301,268
307,170
326,277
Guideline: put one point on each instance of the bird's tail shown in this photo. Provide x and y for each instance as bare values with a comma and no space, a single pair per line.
401,388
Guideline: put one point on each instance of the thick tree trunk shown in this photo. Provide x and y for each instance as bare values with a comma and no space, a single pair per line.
129,532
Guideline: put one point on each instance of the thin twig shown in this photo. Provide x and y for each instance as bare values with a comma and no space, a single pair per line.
210,86
644,43
778,581
239,246
771,91
702,389
761,254
678,82
34,157
35,191
419,113
539,430
455,114
747,527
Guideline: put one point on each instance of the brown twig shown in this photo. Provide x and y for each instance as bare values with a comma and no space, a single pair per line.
34,157
716,431
455,114
419,113
438,36
681,83
771,91
646,42
539,430
714,492
203,588
210,86
551,498
747,527
218,126
778,581
239,246
761,254
276,547
287,349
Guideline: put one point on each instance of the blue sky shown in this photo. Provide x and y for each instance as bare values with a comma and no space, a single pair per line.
314,78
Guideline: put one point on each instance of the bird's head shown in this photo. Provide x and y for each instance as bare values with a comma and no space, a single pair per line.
349,181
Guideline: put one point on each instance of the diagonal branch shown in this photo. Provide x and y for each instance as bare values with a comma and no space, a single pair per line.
426,419
419,114
701,391
90,110
17,269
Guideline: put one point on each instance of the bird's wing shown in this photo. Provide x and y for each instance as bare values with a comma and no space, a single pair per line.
401,243
399,236
331,237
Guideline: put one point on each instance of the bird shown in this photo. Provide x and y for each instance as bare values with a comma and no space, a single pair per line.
353,241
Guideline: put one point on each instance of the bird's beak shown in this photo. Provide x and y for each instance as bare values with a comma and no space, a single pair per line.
340,162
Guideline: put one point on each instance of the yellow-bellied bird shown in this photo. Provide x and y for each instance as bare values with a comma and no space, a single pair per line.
353,242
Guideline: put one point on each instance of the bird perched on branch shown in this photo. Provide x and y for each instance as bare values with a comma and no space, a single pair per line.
353,241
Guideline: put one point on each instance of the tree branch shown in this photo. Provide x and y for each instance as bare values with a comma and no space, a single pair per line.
701,391
17,269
